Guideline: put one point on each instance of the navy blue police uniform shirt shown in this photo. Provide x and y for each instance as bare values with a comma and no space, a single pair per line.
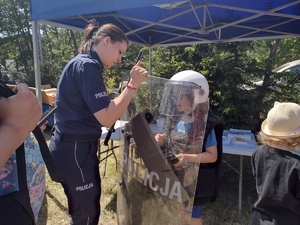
81,92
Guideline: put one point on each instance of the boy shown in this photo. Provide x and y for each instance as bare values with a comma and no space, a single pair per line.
277,169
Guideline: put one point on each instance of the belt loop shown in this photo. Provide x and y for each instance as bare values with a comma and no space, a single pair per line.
56,134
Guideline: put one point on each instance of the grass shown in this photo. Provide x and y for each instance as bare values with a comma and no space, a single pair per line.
224,211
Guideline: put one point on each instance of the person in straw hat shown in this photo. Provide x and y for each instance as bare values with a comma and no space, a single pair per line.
276,167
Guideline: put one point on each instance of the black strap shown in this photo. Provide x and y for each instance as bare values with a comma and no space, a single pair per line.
20,155
55,176
108,135
23,195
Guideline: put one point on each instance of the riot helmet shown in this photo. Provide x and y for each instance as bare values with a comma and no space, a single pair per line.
187,84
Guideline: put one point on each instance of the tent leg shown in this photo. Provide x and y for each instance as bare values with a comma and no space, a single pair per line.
150,61
36,61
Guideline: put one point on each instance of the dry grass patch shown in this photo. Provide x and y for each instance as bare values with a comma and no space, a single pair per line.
222,212
55,208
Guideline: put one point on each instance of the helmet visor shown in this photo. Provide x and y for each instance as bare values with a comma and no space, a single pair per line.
181,98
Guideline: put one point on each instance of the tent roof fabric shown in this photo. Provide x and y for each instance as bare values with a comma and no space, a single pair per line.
169,22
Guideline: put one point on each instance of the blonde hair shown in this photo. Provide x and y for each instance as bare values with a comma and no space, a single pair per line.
291,142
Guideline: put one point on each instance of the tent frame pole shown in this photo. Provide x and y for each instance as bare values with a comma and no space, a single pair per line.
36,60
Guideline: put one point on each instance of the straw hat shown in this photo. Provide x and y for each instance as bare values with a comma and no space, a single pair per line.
283,121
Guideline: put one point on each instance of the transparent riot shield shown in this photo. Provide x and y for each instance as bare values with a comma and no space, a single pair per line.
156,185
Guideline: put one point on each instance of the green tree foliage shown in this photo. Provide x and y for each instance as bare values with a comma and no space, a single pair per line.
228,68
15,38
121,72
59,46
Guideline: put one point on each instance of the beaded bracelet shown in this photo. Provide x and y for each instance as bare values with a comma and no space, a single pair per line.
130,87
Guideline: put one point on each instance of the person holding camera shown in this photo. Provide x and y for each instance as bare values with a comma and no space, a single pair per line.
19,115
20,199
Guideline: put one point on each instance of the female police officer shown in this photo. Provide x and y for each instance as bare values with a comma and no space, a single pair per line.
83,108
